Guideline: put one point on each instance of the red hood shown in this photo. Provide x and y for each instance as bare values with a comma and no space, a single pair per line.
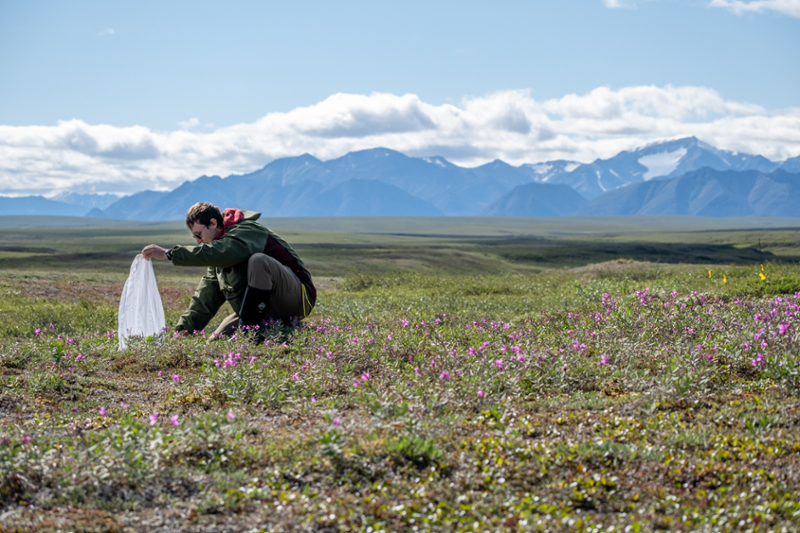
229,218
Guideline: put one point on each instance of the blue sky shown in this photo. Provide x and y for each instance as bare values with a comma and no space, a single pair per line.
151,68
231,62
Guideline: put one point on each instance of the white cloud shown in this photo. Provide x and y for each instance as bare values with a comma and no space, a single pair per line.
614,4
787,7
509,125
189,124
107,31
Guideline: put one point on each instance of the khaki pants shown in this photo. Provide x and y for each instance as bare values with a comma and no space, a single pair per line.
286,300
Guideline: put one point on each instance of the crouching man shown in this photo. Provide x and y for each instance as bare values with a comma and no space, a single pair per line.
251,267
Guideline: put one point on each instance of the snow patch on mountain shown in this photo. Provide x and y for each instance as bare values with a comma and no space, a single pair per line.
546,171
600,181
434,161
541,168
662,163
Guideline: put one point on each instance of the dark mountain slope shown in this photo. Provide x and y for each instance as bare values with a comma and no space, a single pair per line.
537,200
38,205
705,192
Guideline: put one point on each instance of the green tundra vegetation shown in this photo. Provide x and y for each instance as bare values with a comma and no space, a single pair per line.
578,374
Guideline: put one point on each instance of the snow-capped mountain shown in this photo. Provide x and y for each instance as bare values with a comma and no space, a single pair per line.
544,172
705,192
662,160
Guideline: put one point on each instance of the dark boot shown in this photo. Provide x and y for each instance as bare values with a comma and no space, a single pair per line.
255,307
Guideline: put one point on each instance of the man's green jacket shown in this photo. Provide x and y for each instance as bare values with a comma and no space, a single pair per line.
226,259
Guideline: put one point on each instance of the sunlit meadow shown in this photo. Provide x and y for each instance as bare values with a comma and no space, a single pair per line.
630,397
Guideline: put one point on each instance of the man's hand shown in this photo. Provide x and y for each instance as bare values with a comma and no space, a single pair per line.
154,251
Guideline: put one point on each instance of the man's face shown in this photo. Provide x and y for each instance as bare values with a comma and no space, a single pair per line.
203,234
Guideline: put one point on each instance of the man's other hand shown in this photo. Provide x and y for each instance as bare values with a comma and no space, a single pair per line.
154,251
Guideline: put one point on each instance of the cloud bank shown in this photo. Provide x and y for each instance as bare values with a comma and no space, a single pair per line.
510,125
787,7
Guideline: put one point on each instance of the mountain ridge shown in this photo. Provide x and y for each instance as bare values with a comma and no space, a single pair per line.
414,186
661,160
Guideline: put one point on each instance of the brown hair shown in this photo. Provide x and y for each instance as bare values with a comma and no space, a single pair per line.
204,213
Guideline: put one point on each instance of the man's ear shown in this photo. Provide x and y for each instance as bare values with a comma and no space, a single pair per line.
213,223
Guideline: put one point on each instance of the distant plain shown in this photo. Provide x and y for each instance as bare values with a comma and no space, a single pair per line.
335,243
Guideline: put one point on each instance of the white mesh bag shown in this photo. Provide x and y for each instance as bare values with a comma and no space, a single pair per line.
140,311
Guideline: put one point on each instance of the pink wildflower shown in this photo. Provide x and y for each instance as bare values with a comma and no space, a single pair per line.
444,375
480,394
153,419
103,411
337,421
230,415
175,420
176,377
